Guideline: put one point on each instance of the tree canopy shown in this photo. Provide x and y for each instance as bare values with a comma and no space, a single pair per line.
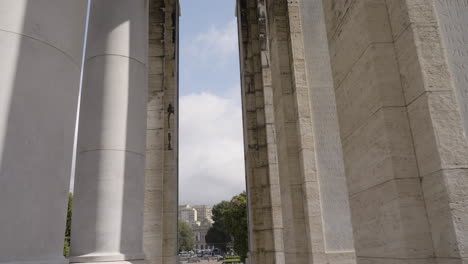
186,237
66,245
230,225
217,235
235,220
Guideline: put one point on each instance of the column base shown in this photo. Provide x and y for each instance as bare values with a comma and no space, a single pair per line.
111,258
141,261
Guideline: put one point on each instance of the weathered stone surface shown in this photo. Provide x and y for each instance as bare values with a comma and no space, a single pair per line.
445,193
419,49
438,133
328,195
380,232
365,22
435,120
372,83
381,148
404,13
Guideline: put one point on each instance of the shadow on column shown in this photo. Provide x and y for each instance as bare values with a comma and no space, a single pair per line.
40,59
110,164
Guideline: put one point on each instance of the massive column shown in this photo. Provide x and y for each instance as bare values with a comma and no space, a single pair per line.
448,206
262,175
41,46
107,220
315,211
386,199
171,137
452,16
297,190
161,195
431,46
292,122
336,239
404,147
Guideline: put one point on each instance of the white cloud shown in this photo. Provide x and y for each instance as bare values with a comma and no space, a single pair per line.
216,44
211,148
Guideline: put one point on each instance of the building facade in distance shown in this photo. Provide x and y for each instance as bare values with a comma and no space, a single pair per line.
199,217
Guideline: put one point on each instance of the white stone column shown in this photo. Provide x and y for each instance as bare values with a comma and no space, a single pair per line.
41,46
107,220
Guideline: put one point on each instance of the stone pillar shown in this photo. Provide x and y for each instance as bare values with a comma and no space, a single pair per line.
41,45
315,211
161,194
107,220
431,45
452,16
262,175
404,148
335,243
295,182
387,206
171,131
154,170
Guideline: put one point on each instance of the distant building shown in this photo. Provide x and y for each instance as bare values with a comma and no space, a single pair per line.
199,217
204,212
200,232
187,214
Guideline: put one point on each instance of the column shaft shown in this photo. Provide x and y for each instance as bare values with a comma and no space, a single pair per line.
404,149
262,175
435,90
334,242
41,45
161,195
109,188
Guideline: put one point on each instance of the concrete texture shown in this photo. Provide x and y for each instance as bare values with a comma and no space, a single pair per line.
109,186
41,45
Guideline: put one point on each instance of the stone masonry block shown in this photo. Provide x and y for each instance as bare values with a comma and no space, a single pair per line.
389,221
445,193
438,133
371,84
365,23
422,61
402,13
379,151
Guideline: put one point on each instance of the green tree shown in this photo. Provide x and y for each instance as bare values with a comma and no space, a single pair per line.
217,235
66,245
186,237
235,221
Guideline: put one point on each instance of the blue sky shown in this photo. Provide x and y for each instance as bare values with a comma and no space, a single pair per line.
211,159
208,46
